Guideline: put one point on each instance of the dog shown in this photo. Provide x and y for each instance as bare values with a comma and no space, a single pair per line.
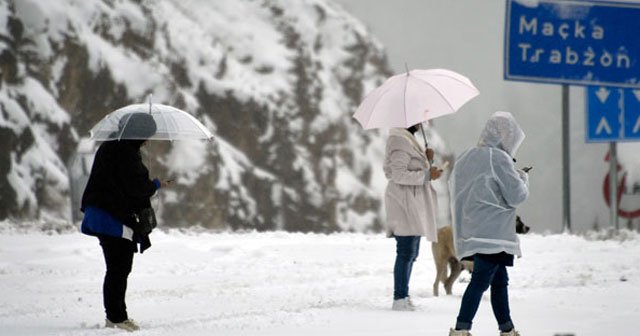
444,254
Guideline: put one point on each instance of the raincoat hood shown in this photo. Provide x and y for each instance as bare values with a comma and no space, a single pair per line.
503,132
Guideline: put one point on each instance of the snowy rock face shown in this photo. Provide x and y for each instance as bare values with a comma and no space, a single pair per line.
276,82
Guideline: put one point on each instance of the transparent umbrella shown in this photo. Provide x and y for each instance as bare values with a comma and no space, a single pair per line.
149,122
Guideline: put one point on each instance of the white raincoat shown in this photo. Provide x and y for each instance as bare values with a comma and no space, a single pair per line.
410,200
486,189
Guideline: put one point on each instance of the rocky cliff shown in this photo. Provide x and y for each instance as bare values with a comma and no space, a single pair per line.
276,81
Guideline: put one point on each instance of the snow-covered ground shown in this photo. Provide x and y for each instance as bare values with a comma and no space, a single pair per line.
277,283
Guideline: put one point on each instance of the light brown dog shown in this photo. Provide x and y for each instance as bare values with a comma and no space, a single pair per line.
444,254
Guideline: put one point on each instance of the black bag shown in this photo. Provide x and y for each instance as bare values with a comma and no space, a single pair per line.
144,220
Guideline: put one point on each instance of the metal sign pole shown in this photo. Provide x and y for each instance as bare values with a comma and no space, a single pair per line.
613,183
566,164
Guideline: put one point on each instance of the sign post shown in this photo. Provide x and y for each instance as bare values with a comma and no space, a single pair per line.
613,115
586,42
566,160
613,184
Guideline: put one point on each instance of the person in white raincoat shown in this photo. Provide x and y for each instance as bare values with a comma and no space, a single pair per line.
410,203
486,189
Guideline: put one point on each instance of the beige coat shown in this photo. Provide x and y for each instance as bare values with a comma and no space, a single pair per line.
410,200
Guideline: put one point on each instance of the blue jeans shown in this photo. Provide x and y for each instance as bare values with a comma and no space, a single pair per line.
486,274
407,248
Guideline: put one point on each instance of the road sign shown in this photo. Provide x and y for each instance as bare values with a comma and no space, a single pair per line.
613,114
582,42
632,114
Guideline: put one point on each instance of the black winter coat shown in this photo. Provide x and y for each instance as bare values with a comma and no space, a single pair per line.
119,182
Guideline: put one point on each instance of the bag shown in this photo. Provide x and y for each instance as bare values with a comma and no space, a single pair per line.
144,220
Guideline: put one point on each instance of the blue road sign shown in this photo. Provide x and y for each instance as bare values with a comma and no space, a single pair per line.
603,114
632,114
613,114
583,42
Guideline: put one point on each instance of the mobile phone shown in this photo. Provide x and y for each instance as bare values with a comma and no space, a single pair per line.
527,169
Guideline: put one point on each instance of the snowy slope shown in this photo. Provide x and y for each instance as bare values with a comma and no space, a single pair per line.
277,283
276,81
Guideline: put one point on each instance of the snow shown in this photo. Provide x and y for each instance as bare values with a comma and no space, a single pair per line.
20,179
134,17
235,163
125,67
187,160
306,284
213,40
42,105
4,19
55,19
630,161
35,169
15,117
200,39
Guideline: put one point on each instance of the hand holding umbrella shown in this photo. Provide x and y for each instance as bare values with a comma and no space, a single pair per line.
434,171
428,152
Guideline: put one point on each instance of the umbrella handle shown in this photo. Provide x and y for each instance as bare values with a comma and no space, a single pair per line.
426,144
149,100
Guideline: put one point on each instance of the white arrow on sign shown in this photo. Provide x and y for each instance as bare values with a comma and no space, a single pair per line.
603,94
603,124
636,128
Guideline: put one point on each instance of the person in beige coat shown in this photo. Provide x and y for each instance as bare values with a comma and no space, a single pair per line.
410,203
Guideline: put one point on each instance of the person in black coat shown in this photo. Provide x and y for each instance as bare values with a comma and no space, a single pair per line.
119,188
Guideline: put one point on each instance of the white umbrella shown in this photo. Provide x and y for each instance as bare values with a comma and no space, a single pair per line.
149,121
414,97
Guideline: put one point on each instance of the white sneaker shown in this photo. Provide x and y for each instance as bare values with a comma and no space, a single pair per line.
410,303
128,325
513,332
453,332
402,305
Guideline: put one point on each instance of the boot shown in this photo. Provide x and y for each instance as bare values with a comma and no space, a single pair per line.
453,332
128,325
513,332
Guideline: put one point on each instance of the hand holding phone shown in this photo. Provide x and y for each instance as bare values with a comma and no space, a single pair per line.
166,183
435,173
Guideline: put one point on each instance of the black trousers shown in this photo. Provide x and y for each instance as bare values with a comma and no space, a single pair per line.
118,257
